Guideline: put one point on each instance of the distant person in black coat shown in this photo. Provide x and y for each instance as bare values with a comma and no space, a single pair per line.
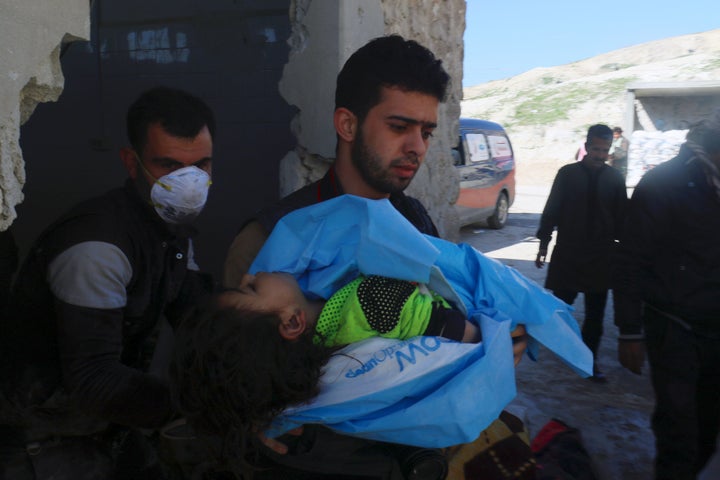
586,205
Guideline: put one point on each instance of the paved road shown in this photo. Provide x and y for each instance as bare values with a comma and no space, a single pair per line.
614,418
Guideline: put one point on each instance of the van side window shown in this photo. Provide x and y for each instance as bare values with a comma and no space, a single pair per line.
501,151
477,148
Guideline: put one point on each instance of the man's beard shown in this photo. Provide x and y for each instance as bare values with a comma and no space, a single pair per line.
370,167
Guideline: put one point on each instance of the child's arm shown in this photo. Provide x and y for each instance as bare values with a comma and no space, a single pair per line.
520,342
472,333
451,323
519,339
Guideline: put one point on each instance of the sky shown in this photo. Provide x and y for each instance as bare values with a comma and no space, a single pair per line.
504,39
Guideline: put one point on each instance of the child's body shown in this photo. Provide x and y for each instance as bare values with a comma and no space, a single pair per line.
380,306
376,306
251,352
371,306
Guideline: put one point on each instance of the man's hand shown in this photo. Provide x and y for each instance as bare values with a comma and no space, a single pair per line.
276,446
540,259
520,342
631,354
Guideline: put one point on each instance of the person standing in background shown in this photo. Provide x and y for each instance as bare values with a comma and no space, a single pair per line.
580,152
587,206
666,283
618,154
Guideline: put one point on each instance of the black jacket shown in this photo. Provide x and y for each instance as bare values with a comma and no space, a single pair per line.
669,255
587,206
328,187
72,369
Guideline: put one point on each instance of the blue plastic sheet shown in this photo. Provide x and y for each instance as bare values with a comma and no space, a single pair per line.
446,395
327,244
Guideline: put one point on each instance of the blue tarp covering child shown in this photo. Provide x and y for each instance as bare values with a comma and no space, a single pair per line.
425,391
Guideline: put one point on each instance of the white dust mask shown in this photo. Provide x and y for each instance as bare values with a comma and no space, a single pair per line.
180,196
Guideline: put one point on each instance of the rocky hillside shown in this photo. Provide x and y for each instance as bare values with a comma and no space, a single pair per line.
547,110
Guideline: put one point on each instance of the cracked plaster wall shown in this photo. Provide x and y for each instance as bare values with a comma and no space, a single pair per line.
31,35
325,33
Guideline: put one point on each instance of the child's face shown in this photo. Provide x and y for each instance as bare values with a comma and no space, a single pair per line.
269,292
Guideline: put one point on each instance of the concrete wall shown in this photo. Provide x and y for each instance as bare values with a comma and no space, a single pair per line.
439,25
325,34
673,112
31,34
659,123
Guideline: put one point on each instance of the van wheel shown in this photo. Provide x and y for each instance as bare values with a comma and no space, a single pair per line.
499,217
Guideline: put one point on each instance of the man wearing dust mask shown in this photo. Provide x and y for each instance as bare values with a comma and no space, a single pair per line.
86,305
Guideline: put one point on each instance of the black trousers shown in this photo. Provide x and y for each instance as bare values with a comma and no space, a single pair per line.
78,458
685,372
592,328
129,455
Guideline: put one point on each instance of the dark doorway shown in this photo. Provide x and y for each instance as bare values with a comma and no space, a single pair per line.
231,53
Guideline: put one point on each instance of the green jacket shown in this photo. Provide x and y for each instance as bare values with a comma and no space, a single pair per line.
377,306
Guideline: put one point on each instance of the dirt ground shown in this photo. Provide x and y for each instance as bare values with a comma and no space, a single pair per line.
614,418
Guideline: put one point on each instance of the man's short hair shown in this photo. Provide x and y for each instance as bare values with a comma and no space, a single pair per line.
599,131
706,133
179,113
389,61
617,130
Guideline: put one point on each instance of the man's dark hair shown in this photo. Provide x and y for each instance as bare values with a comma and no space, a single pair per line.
599,131
389,61
617,130
179,113
232,373
706,133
